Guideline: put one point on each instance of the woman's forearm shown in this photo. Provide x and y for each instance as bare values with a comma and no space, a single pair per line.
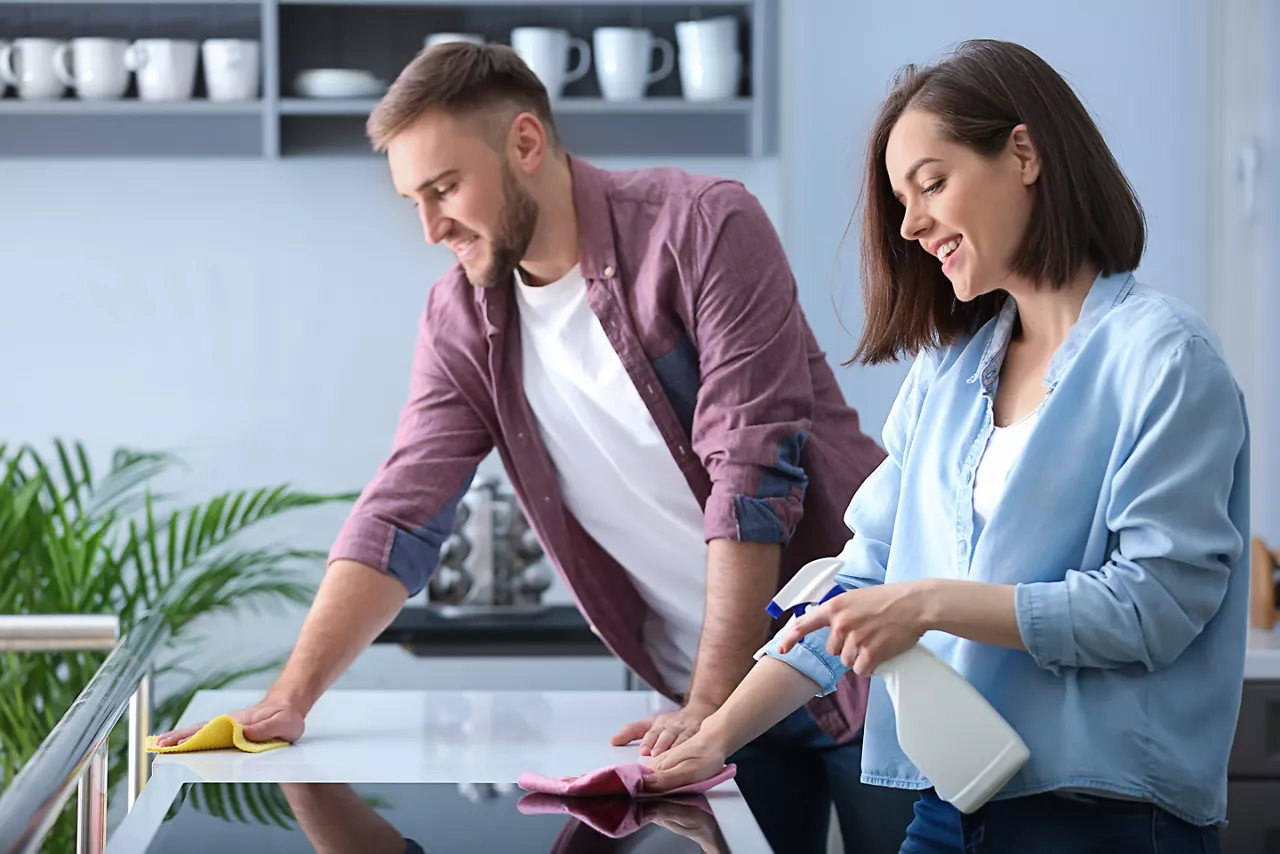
770,691
976,610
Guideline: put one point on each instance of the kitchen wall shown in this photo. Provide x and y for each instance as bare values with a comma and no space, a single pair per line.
258,317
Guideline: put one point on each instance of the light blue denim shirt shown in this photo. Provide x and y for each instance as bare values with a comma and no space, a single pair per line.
1122,526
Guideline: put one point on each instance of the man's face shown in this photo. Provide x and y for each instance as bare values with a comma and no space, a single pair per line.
466,193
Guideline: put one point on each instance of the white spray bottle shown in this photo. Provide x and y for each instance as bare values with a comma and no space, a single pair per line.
945,727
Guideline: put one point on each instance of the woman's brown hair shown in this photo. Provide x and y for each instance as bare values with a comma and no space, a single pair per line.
1084,208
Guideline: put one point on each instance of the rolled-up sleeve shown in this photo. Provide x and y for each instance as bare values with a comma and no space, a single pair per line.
811,658
755,403
1175,538
405,514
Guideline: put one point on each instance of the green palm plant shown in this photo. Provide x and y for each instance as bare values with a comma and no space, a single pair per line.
75,543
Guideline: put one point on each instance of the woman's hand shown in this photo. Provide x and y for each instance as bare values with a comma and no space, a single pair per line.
869,625
691,761
686,819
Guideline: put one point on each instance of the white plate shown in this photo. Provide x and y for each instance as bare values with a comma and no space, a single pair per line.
337,83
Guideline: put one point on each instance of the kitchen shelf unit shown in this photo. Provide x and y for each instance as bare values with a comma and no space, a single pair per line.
380,36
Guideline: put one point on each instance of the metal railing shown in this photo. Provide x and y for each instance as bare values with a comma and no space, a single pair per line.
75,753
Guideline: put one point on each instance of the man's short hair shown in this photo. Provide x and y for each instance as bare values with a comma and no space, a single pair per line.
462,79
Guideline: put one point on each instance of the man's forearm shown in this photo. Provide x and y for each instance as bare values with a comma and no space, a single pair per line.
740,579
354,604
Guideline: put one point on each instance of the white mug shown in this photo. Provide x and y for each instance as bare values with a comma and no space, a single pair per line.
231,68
710,63
546,51
93,67
28,65
444,38
710,78
4,84
712,36
623,56
166,68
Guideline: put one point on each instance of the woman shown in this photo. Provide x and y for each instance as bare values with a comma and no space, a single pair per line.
1063,510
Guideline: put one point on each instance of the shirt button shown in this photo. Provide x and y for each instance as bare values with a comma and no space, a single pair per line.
968,476
608,272
964,547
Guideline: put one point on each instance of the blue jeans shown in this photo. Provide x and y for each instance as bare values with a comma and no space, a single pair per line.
792,774
1052,824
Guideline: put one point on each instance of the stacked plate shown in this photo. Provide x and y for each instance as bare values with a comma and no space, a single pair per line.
338,83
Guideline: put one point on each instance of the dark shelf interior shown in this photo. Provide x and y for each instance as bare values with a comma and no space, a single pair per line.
383,39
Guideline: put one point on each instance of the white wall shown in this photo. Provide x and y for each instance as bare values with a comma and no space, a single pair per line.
1245,37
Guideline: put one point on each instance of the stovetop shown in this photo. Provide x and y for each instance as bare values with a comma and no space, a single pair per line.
410,818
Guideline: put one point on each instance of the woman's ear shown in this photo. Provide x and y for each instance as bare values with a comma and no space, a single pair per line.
1024,150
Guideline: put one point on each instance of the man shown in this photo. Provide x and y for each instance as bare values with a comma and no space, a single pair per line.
633,345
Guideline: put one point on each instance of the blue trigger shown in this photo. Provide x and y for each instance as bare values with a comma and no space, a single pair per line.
775,611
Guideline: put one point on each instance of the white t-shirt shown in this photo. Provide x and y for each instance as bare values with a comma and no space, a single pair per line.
1004,446
617,474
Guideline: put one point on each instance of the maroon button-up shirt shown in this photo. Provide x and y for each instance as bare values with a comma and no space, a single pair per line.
691,284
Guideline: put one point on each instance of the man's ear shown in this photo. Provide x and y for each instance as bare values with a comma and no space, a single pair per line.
527,142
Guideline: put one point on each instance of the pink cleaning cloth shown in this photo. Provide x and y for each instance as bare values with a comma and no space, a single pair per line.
625,779
615,817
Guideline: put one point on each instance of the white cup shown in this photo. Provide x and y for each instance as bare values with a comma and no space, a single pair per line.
710,77
4,85
444,38
166,68
710,63
231,68
28,65
546,51
712,36
623,56
93,67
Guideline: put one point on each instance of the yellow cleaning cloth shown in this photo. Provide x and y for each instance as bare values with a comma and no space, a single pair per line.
222,731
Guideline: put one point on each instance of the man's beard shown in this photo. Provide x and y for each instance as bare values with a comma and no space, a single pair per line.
516,225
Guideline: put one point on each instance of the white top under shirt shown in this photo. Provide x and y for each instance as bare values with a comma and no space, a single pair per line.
1004,446
616,472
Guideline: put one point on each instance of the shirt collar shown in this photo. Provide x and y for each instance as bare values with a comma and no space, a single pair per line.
597,257
1105,293
597,253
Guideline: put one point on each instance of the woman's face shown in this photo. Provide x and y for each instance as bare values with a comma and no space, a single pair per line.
967,211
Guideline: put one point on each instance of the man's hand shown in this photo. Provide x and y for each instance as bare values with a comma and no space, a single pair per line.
662,732
354,603
262,722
